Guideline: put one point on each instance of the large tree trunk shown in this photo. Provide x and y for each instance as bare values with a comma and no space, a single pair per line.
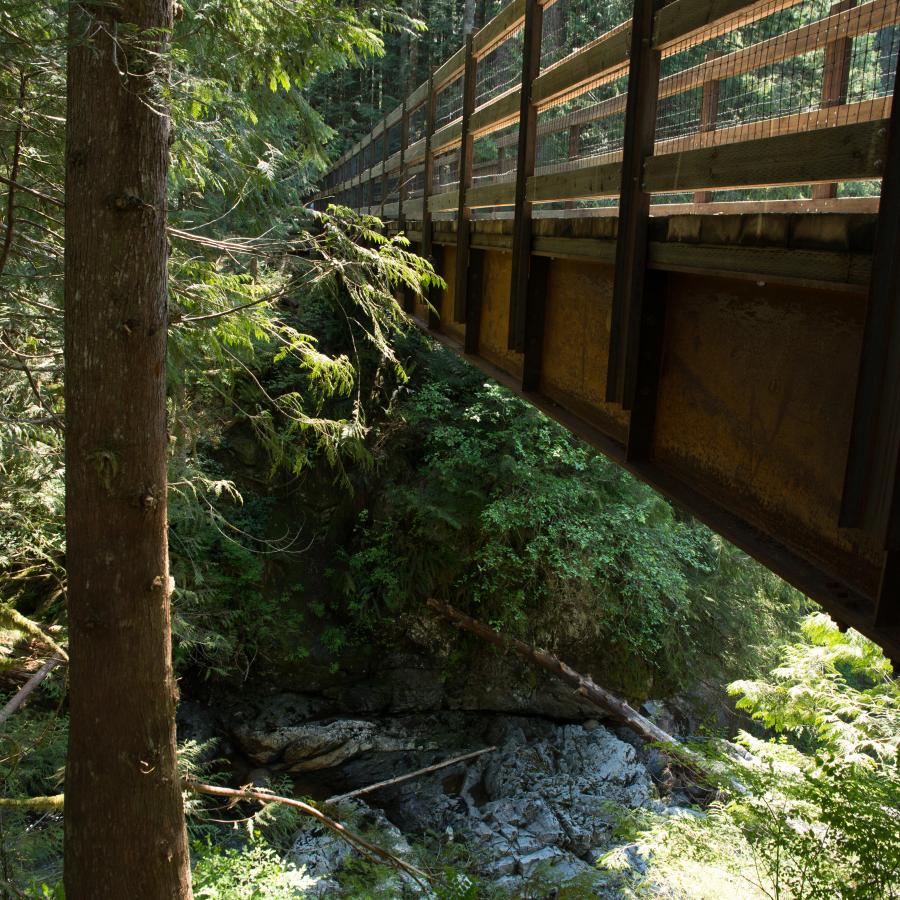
124,821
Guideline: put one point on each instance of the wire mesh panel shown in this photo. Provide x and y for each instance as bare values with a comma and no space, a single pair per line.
571,25
446,171
500,70
494,156
449,103
418,123
392,192
791,69
415,182
583,128
394,138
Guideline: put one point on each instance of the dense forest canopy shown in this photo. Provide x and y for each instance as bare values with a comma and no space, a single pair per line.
324,470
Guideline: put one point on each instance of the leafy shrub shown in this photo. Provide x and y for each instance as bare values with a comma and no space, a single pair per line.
252,872
820,817
487,503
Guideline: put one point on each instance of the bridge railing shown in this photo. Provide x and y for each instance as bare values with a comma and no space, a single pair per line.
781,99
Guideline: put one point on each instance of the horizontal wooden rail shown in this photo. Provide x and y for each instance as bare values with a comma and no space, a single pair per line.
505,23
843,153
601,61
851,23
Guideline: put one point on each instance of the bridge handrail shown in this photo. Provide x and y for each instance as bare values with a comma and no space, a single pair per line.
678,26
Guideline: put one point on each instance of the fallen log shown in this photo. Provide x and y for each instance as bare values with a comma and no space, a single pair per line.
355,840
590,690
22,694
359,792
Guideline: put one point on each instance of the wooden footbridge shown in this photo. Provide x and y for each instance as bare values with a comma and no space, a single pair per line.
663,226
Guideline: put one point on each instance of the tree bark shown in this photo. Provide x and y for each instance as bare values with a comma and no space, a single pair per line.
124,821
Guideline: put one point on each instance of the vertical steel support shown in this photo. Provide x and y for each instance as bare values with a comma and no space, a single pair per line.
464,212
521,250
634,209
475,295
871,497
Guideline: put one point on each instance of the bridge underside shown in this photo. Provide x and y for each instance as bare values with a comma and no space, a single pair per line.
748,392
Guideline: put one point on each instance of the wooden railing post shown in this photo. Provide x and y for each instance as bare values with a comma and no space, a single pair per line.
464,212
407,300
384,158
572,152
835,81
709,110
521,249
634,208
428,176
401,178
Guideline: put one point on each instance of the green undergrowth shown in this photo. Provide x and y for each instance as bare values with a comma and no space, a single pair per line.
483,501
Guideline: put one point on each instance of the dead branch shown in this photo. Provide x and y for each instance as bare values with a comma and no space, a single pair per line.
590,690
409,775
29,686
355,840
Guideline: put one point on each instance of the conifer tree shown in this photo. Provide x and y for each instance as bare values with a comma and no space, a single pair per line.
124,822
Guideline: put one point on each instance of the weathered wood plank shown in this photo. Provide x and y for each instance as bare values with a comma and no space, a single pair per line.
427,230
681,20
443,202
603,180
449,70
416,150
849,23
499,28
843,153
393,117
417,97
447,136
603,60
500,193
497,113
536,306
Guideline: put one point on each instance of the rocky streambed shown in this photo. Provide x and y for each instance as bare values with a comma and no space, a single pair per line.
528,818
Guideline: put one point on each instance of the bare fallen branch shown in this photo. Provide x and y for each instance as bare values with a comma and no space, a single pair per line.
355,840
590,690
29,686
359,792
